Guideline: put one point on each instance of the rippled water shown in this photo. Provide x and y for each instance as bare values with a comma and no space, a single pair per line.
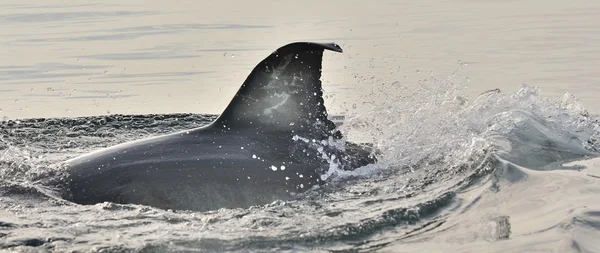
470,160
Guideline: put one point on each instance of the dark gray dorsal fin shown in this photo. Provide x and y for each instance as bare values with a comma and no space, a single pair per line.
283,93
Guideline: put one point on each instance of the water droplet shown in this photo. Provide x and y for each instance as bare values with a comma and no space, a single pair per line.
301,176
282,167
302,186
287,178
49,89
232,55
254,156
241,147
273,168
292,123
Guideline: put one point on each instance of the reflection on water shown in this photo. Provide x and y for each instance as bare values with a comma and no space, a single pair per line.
192,57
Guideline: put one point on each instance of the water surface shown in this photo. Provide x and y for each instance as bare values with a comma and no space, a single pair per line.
64,59
470,159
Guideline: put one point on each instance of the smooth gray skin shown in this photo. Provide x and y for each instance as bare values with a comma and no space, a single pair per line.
248,156
202,169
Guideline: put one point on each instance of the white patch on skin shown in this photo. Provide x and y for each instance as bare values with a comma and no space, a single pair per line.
276,82
285,97
276,73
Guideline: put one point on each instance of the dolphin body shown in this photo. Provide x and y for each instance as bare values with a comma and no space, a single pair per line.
273,140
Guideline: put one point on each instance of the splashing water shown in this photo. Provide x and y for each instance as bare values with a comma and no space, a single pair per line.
434,122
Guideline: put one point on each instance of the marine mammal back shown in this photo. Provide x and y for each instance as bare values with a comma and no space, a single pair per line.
254,153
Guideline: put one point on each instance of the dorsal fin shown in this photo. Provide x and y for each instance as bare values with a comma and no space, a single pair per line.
283,93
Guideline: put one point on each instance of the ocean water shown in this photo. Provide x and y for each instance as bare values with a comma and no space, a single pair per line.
501,173
484,113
